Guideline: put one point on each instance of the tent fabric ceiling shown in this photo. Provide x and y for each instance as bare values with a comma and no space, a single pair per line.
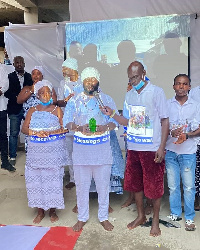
91,10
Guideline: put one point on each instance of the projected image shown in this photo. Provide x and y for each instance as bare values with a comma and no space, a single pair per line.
160,43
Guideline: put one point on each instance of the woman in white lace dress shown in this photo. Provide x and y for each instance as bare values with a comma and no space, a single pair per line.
46,154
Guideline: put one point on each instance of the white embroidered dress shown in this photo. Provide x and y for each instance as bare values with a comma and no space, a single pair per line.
45,163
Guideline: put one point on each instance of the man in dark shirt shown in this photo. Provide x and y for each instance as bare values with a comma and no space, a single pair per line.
17,80
3,121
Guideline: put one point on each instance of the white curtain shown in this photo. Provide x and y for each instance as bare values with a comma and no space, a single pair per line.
91,10
195,52
41,44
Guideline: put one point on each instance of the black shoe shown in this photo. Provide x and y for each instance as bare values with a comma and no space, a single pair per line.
8,167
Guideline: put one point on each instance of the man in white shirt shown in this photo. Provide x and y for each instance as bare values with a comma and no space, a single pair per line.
92,154
3,121
145,112
180,159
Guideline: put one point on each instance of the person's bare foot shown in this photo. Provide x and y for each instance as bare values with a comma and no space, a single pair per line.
155,230
138,221
78,226
53,216
110,209
107,225
70,185
148,210
148,207
39,216
129,201
75,209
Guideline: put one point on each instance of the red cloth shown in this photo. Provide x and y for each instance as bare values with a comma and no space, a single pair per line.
37,238
143,174
58,238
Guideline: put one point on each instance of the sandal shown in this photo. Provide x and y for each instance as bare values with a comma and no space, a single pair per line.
189,225
174,217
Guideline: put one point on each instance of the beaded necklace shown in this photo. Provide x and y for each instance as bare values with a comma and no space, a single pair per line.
91,104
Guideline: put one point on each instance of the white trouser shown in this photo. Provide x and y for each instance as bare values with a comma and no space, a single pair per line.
83,176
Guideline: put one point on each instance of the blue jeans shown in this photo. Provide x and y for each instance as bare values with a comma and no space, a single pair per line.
181,165
15,122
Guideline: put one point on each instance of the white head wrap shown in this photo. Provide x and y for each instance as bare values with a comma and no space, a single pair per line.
70,63
90,72
40,68
42,84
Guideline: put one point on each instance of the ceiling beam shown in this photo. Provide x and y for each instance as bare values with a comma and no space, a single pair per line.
27,3
52,3
15,4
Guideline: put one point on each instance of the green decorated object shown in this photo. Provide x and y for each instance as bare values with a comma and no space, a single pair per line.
92,125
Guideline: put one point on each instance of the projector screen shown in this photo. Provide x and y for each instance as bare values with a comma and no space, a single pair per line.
160,43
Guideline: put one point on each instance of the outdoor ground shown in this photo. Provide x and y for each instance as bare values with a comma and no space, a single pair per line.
14,210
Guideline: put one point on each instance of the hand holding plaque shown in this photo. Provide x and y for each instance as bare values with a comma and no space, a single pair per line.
92,125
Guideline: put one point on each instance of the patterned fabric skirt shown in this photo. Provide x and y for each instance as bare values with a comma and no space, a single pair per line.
117,170
44,173
197,172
